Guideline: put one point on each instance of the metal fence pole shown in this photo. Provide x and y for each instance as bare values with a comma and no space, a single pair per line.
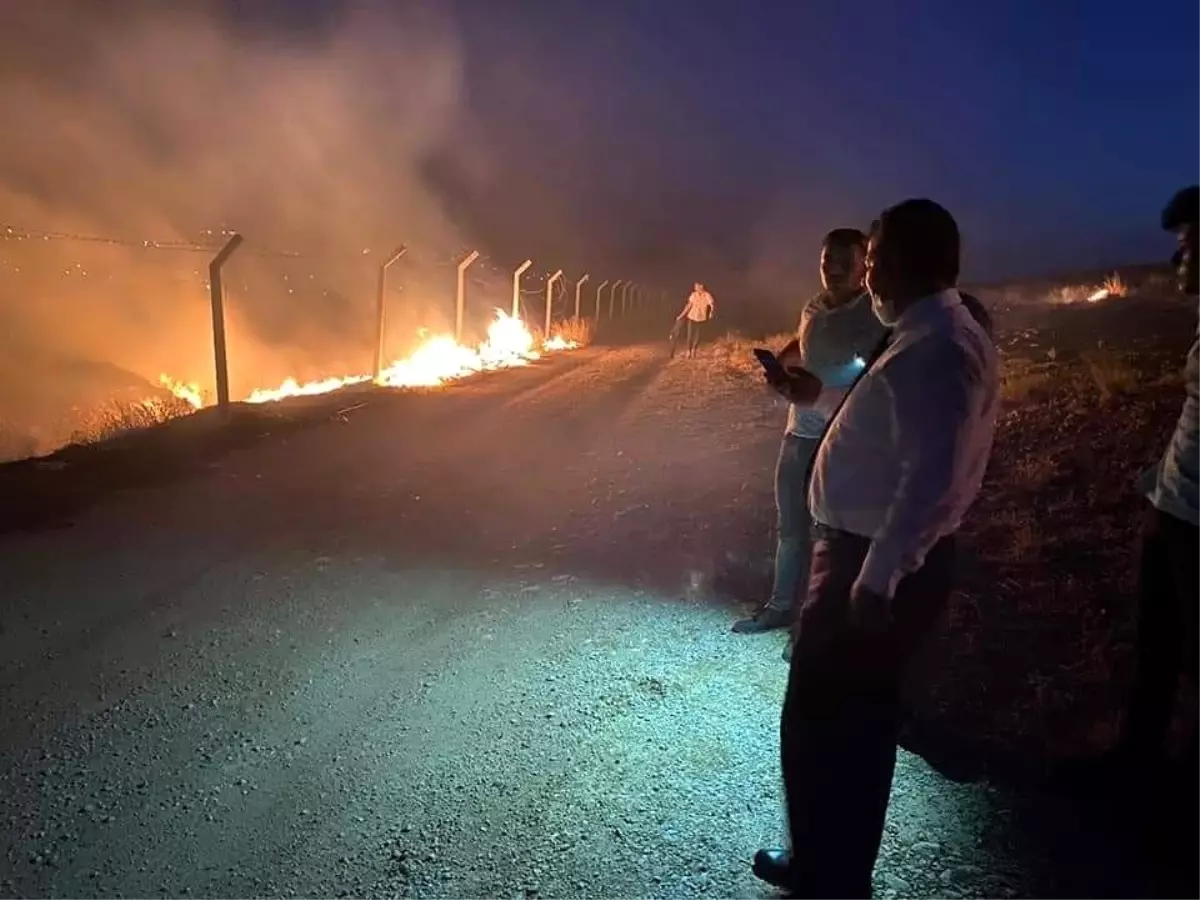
216,292
381,308
550,282
579,293
612,296
516,309
461,294
599,290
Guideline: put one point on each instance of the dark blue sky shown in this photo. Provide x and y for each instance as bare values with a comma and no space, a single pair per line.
1053,130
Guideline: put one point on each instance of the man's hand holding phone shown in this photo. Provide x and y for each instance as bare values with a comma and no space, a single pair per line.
787,377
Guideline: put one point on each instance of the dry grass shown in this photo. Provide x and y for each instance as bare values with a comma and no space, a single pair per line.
1021,381
581,330
1040,637
118,417
733,354
1112,374
1099,375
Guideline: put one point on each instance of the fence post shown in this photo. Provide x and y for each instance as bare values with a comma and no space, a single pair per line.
625,295
579,293
381,308
460,296
516,310
599,290
612,296
550,302
216,293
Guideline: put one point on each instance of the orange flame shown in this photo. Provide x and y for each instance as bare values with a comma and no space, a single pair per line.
437,360
187,392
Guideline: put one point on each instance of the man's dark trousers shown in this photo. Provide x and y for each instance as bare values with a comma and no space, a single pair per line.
843,711
1169,582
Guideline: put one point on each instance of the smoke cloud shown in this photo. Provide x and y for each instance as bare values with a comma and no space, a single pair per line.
163,122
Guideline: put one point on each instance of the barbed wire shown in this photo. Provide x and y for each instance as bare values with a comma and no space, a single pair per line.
484,265
16,233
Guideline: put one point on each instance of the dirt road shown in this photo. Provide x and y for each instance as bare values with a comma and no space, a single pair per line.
466,643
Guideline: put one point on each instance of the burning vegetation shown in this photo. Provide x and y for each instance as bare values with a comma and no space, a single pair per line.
438,359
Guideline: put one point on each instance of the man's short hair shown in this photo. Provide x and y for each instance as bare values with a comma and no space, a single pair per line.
1184,209
925,237
845,237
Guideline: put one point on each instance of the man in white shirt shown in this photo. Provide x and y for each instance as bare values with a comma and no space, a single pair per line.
899,465
696,312
836,333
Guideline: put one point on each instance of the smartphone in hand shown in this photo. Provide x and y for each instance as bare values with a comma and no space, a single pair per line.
771,364
796,384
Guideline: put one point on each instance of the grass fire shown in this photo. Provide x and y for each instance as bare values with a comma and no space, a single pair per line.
436,360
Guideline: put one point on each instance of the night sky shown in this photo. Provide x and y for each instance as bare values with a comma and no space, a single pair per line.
719,139
1053,130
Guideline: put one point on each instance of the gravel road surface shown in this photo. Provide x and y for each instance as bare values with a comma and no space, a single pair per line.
466,643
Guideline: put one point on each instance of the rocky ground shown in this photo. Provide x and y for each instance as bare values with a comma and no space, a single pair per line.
474,642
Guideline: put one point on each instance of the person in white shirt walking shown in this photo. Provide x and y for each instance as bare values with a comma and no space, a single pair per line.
698,310
900,464
836,333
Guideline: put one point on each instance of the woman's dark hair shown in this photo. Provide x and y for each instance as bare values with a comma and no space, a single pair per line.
845,237
925,238
1184,209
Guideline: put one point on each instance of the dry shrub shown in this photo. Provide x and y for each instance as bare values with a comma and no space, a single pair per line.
734,353
1035,471
579,329
1021,381
1111,373
119,417
1021,539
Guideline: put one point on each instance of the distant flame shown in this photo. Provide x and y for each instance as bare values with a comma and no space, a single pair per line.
1099,295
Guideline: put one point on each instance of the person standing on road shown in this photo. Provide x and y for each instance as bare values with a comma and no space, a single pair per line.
1168,577
836,333
697,311
899,465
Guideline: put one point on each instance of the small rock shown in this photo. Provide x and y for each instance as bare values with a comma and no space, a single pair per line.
897,885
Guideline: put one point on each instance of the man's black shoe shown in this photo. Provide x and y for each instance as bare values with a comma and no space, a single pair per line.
775,867
766,619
